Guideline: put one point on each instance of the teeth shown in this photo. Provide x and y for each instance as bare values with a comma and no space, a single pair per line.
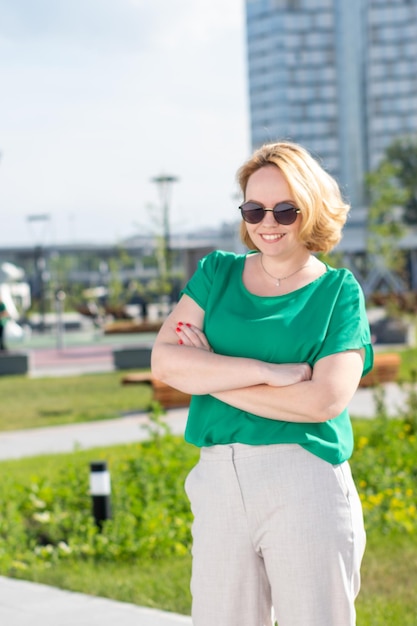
272,237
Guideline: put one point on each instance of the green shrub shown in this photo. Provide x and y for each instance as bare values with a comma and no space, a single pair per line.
46,512
385,469
47,518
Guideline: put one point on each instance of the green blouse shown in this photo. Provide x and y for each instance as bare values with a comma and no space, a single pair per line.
3,318
322,318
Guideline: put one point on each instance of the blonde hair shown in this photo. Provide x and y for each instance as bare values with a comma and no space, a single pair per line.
315,192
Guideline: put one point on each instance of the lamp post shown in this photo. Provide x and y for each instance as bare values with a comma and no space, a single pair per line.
100,489
60,296
40,264
164,183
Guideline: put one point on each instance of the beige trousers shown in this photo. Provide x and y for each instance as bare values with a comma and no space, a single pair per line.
274,526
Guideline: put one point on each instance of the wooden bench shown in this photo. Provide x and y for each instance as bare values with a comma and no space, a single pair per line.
167,396
120,327
385,370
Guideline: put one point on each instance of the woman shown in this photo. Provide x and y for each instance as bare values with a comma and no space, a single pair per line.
272,345
4,316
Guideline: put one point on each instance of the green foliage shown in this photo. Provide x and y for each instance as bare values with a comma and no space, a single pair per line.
51,507
402,153
61,266
385,227
47,517
408,370
389,576
162,284
385,470
47,532
334,259
118,294
156,583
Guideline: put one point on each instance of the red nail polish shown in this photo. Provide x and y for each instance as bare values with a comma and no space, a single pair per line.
180,341
180,323
178,330
189,325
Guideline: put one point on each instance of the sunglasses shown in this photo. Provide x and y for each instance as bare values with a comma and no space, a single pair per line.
284,212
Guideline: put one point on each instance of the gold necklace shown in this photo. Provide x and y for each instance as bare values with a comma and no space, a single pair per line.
278,280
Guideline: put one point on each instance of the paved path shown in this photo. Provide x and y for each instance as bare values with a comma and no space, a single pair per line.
71,360
67,438
363,402
30,604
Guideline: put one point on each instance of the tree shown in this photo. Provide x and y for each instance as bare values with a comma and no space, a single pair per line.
386,279
385,223
402,154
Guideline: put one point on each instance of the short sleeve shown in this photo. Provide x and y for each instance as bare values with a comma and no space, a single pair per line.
199,286
348,326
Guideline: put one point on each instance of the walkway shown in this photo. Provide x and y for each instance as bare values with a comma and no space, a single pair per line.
73,360
30,604
67,438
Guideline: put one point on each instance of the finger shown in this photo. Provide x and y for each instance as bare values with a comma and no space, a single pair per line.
192,335
198,333
188,336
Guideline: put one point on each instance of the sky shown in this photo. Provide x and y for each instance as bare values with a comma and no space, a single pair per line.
97,97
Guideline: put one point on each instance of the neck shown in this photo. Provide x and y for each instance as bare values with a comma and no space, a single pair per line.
279,276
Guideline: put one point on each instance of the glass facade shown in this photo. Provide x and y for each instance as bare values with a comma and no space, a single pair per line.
337,77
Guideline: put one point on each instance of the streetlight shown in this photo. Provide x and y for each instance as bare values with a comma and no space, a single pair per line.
164,183
40,263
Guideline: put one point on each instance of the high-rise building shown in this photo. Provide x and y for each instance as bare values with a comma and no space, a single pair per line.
338,76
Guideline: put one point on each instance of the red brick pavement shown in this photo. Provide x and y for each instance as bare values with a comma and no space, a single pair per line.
77,358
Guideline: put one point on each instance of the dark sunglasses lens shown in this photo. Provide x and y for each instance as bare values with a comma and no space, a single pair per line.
286,216
284,213
252,213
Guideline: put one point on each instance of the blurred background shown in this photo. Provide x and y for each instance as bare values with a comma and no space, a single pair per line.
122,125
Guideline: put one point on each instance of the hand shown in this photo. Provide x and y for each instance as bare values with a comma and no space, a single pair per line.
283,374
190,335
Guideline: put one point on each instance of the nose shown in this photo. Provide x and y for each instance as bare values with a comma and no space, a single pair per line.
269,219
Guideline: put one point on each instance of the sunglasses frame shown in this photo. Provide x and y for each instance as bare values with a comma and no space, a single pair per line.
275,211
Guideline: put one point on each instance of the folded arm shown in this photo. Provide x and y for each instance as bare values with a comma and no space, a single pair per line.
333,383
182,358
192,367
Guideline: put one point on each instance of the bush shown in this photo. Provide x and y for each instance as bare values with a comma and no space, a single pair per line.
47,518
385,470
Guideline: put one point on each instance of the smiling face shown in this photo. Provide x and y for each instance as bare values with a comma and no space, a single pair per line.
268,186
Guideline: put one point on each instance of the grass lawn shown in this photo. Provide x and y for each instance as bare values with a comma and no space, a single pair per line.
387,596
389,572
158,584
161,583
389,582
408,368
37,402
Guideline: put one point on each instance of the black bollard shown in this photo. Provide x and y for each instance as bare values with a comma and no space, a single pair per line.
100,490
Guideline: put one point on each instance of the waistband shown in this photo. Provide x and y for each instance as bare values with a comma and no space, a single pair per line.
242,450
